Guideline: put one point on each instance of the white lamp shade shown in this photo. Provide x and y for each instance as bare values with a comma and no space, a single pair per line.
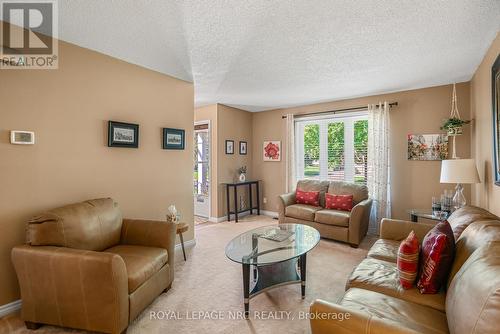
459,171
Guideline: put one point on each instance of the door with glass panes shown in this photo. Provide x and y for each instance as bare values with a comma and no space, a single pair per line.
201,174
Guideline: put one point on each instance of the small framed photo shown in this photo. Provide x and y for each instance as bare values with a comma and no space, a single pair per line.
173,139
123,134
229,146
243,147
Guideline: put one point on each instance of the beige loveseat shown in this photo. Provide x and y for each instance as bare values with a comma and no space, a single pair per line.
375,302
85,267
339,225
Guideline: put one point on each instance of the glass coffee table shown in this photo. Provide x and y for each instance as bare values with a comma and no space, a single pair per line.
268,263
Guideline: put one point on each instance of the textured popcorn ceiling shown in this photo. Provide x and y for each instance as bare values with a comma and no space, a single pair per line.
263,54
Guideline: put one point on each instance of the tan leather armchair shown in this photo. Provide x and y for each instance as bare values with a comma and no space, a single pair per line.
338,225
85,267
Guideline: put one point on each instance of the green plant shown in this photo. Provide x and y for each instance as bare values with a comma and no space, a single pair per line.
453,122
242,170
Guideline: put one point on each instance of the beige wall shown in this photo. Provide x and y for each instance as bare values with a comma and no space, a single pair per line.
413,182
486,194
228,124
68,109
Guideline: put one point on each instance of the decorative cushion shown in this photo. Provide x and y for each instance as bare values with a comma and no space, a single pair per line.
408,261
436,258
307,197
339,202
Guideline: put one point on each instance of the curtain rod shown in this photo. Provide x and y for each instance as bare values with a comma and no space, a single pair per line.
339,111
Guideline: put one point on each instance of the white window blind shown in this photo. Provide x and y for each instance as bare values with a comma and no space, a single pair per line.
332,148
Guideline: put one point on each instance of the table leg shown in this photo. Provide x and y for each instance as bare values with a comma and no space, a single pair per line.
302,264
235,204
182,245
228,205
258,197
250,197
246,287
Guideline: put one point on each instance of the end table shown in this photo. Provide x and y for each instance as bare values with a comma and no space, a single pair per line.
181,228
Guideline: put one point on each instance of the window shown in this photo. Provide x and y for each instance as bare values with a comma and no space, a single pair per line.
333,148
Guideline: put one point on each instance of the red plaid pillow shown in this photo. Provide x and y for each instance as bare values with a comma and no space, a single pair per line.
408,261
307,197
436,258
339,202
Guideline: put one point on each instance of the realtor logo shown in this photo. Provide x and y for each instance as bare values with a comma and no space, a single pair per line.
29,34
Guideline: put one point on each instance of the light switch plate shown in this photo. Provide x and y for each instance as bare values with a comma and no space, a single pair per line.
22,137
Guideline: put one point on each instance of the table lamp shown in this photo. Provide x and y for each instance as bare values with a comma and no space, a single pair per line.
459,171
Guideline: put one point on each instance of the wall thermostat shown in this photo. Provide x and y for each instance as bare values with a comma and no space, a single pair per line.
22,137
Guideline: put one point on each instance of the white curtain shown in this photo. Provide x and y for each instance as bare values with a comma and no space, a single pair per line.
379,178
290,154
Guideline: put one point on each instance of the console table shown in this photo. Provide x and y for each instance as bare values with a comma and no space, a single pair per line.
235,186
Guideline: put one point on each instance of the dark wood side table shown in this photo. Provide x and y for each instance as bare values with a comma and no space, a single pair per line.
181,228
235,186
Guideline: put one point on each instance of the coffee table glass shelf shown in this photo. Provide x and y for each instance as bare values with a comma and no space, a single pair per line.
268,263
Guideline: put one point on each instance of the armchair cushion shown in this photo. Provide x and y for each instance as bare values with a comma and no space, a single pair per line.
141,262
302,211
385,250
332,217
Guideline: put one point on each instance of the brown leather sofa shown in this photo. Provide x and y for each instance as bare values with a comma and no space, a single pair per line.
374,302
338,225
85,267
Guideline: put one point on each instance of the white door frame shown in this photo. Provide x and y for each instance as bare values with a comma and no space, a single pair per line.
209,162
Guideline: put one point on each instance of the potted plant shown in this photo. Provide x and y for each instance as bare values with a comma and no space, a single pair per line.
454,126
242,173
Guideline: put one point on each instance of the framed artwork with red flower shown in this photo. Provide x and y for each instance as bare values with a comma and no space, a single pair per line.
427,147
272,150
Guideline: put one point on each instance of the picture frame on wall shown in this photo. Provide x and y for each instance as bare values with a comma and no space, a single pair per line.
123,134
495,93
427,147
243,148
229,146
173,139
272,150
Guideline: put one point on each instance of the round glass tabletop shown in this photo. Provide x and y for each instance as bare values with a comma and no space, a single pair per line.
271,244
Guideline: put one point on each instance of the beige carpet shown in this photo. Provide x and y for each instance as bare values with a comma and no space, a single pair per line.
209,284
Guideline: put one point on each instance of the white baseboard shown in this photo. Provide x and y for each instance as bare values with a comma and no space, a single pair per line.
187,244
272,214
217,219
10,308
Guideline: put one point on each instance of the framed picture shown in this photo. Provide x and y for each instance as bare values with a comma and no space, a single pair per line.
229,146
243,147
173,139
123,134
427,147
272,150
495,86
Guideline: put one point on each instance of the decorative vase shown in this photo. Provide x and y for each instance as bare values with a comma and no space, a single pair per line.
456,131
242,177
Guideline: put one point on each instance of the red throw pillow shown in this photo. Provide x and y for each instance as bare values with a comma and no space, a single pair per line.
408,261
339,202
436,258
307,197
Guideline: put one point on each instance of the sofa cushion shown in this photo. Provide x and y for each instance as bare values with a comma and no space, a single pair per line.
438,251
307,197
302,211
314,185
385,250
141,262
382,276
463,217
409,317
473,300
408,261
473,237
358,191
91,225
332,217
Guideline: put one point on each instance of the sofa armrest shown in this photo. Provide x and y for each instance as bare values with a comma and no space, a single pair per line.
359,220
72,287
284,201
328,318
398,230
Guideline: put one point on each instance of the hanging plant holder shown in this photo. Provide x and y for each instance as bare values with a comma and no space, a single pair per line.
454,124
